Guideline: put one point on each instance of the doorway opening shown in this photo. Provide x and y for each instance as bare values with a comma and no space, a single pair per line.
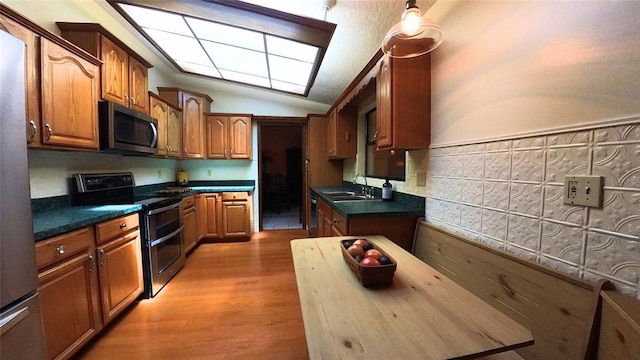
281,164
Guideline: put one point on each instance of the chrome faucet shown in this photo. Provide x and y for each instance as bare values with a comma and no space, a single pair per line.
366,190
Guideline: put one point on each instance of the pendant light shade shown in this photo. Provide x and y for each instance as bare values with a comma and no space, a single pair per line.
413,36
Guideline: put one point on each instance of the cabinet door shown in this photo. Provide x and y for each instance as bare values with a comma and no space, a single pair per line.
138,86
235,218
212,205
69,98
32,67
332,139
115,72
189,232
217,137
240,137
174,133
120,273
192,126
159,111
384,126
69,304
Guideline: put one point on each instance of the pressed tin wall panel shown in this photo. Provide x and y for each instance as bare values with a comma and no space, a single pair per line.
509,194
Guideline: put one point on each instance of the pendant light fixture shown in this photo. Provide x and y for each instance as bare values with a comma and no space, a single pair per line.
413,36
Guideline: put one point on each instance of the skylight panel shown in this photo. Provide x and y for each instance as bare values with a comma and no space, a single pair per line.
225,34
157,19
291,49
289,70
237,59
234,41
180,48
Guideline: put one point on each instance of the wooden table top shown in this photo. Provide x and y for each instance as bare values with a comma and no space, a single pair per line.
422,315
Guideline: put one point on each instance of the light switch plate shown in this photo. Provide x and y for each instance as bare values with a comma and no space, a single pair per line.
583,190
421,179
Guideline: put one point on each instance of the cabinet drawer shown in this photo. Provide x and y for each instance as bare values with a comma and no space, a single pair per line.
324,208
234,196
340,223
112,228
64,246
188,202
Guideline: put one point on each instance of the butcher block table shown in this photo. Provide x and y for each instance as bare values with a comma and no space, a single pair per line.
422,315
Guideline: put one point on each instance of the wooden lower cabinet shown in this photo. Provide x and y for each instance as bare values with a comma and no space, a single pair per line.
235,215
83,287
398,228
190,223
120,272
69,292
224,216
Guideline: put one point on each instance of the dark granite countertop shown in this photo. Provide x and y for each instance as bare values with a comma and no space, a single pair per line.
52,222
402,204
55,216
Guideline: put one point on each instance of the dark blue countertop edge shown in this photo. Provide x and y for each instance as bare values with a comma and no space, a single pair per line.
402,204
55,215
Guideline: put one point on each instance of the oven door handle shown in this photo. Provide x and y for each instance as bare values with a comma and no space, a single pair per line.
163,209
165,238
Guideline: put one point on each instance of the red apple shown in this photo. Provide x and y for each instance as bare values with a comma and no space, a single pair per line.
373,253
369,261
360,242
354,250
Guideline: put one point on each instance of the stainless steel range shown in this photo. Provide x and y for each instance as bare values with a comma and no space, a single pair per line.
161,231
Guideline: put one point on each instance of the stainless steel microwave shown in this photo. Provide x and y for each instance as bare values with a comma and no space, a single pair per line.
126,131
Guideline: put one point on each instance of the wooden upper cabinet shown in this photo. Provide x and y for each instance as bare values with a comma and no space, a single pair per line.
69,98
169,126
403,100
115,72
159,110
32,67
342,135
174,132
124,73
193,105
228,136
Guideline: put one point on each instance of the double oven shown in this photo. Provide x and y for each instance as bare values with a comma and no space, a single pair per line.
160,228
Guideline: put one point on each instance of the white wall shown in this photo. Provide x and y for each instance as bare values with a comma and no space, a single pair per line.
524,93
508,68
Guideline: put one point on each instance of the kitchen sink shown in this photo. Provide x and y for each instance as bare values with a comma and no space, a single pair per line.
333,194
353,198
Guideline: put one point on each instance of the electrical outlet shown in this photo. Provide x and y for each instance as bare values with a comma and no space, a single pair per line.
421,179
583,190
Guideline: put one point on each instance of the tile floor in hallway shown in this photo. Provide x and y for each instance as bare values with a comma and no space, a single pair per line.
289,218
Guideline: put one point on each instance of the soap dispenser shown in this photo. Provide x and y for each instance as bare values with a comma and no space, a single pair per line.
387,191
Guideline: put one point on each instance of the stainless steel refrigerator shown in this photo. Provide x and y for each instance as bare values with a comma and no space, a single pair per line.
21,334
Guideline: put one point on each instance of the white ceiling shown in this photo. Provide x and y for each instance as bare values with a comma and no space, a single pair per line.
361,26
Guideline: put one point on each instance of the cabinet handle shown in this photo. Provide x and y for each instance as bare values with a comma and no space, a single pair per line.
375,136
126,97
336,221
93,263
61,249
231,152
35,129
103,256
224,152
49,131
123,225
185,151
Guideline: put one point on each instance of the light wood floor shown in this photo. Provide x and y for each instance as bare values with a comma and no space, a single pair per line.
231,301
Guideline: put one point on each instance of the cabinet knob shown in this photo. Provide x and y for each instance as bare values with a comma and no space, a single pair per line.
93,263
34,128
126,98
49,131
123,225
375,136
61,249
